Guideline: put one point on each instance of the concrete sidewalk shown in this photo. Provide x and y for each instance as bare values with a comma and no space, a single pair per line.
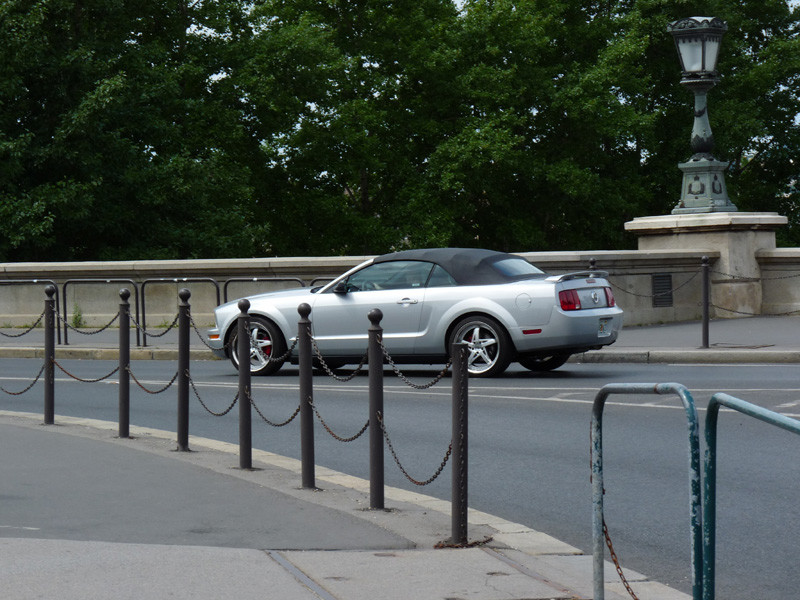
87,515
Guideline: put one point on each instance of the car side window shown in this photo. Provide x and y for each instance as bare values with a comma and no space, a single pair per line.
393,275
440,278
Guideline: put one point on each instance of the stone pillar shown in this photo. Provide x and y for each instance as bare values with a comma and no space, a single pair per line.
737,236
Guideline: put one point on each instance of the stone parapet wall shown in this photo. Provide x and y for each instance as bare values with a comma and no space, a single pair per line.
632,274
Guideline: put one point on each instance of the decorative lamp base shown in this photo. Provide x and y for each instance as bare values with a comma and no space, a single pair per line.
703,189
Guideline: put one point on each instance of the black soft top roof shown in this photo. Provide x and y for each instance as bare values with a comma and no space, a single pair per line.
468,266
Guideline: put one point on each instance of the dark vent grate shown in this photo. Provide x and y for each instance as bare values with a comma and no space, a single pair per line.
662,289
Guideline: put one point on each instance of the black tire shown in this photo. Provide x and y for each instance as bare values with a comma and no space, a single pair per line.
543,363
266,342
490,347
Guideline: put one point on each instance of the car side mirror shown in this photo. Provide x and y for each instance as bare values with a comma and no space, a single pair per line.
340,288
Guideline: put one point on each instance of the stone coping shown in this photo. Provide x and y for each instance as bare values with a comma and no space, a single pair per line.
722,221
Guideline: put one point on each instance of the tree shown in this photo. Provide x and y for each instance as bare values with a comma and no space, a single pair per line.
113,141
169,128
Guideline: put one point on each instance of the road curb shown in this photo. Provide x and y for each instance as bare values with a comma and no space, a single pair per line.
691,356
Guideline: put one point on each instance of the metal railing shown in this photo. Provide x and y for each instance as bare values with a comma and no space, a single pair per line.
210,280
710,476
599,536
37,282
68,282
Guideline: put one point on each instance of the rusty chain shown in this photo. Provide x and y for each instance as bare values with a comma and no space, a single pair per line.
266,420
139,383
197,331
402,469
616,562
154,335
659,294
92,332
269,358
329,371
406,380
203,404
752,314
5,391
331,432
27,331
76,378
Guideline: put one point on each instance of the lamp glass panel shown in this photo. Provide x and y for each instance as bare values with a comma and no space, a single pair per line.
712,53
691,54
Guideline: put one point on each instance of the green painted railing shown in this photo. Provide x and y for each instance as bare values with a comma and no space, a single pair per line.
710,475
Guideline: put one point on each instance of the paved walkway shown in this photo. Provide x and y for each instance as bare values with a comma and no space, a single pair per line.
85,515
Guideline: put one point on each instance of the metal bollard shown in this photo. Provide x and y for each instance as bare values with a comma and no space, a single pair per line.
306,396
245,414
375,359
460,440
124,363
706,285
49,356
183,370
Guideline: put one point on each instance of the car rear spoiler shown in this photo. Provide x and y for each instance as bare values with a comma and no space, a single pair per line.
577,275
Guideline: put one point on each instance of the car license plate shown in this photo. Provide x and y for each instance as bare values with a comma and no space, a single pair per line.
604,330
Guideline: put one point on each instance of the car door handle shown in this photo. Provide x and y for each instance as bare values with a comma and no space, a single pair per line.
407,301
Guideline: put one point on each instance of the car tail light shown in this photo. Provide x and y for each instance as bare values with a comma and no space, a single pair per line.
610,297
569,300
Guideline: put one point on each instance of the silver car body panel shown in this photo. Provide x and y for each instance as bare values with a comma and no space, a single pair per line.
417,321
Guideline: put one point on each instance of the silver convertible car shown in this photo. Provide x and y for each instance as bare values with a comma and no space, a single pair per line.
501,305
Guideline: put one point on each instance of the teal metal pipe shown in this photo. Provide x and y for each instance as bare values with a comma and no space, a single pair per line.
695,487
710,475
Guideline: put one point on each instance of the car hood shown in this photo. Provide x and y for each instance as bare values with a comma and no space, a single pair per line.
299,293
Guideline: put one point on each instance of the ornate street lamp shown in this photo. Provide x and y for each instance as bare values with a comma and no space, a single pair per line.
703,189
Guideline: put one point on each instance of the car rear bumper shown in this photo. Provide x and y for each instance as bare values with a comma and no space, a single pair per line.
577,331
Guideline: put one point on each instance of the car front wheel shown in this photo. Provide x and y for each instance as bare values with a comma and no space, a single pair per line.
267,347
489,345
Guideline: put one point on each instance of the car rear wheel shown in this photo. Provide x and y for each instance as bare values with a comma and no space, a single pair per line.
489,345
543,363
266,346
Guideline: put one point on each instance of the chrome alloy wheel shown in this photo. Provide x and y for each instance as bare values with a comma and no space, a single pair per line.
488,343
266,344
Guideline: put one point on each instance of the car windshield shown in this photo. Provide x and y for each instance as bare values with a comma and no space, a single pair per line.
517,268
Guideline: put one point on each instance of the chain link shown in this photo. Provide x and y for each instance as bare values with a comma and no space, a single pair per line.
332,433
402,469
751,314
92,332
154,335
27,331
329,371
406,380
164,389
5,391
733,277
266,420
659,294
76,378
615,560
282,358
203,404
197,331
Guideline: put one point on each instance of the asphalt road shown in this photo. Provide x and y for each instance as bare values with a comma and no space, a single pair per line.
529,450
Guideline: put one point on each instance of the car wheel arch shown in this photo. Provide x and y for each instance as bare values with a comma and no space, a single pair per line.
472,315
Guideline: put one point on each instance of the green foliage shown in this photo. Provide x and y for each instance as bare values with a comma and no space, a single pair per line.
177,129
